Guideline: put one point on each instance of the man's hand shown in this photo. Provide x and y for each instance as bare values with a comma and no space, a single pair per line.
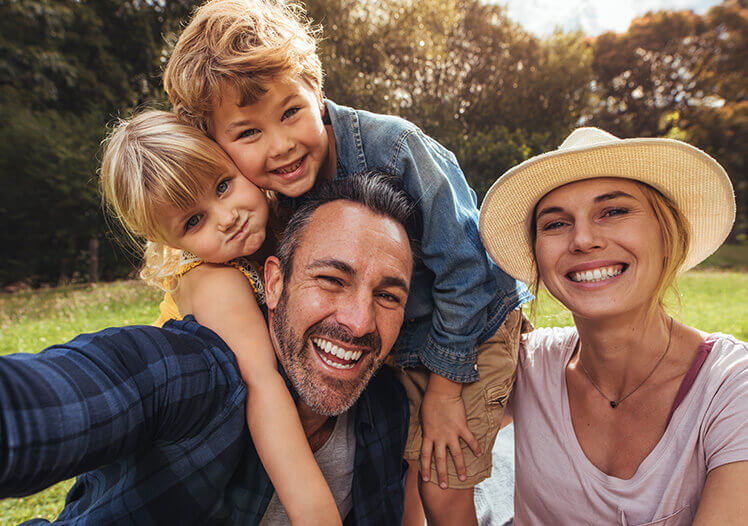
444,423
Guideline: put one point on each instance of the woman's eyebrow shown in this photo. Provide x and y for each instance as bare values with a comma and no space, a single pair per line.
549,210
612,195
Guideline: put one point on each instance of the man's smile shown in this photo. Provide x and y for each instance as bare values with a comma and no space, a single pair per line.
334,355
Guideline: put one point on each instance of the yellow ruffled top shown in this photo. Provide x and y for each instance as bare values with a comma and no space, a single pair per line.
252,270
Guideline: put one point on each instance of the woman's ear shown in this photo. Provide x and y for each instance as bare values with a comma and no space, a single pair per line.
273,282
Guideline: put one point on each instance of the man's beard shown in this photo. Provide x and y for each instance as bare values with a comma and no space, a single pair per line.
324,394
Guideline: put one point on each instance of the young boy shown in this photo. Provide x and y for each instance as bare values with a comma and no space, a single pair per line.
247,72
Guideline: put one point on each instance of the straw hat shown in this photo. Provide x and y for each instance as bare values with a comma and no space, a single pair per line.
688,176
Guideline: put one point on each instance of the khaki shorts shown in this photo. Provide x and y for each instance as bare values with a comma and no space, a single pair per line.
484,402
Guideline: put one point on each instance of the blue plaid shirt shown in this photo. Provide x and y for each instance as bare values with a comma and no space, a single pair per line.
154,419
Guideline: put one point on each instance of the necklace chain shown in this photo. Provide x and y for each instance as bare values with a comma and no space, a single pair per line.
616,403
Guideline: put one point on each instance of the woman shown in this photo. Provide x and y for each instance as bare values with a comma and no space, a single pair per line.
630,417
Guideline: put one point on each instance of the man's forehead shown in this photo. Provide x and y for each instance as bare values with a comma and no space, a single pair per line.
341,228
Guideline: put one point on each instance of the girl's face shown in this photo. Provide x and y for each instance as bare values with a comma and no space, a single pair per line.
227,221
599,248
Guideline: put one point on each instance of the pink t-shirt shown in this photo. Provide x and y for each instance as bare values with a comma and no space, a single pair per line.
557,484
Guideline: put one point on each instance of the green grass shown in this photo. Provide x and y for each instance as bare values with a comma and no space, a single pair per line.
728,257
29,321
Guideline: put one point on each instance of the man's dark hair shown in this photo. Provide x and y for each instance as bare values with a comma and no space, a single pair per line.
374,189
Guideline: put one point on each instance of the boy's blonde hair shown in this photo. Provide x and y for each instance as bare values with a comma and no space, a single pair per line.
244,44
150,161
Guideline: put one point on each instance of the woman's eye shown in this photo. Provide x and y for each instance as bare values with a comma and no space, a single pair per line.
553,225
192,222
615,212
222,187
290,113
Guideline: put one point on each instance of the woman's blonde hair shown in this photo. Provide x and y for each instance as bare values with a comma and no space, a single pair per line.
153,160
244,44
676,238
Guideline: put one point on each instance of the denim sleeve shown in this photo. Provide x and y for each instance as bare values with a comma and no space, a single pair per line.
96,399
464,277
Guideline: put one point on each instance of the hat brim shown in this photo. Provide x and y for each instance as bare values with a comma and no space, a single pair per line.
689,177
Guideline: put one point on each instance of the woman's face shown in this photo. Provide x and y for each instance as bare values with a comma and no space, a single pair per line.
599,247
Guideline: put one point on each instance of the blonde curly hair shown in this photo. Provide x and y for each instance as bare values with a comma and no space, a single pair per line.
149,161
244,44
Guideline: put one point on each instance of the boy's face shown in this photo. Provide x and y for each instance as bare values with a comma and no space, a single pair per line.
279,142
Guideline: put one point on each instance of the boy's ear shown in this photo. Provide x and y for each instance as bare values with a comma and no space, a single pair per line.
273,282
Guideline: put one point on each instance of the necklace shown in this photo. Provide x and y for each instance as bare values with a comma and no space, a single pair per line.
616,403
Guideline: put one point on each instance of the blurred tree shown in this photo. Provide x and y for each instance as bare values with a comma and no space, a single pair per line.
462,71
678,74
66,68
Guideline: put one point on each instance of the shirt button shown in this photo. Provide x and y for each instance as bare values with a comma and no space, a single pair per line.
475,366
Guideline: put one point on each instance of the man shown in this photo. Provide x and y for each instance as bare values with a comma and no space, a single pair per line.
156,415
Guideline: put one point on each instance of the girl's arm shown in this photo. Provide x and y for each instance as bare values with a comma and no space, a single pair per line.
221,298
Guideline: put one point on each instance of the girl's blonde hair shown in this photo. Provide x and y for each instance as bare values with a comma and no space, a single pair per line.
676,238
150,161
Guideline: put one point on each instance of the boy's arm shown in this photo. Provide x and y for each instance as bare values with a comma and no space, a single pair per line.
75,407
222,299
466,281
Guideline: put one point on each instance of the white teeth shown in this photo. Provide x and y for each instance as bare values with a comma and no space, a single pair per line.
337,365
597,274
330,348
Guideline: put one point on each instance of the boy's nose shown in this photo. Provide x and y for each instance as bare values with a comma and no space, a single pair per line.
280,144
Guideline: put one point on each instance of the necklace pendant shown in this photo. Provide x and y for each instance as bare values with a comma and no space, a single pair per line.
613,404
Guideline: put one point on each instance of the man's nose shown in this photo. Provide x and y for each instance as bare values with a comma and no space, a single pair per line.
356,312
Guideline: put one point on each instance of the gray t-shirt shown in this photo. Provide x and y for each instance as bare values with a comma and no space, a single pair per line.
557,484
336,461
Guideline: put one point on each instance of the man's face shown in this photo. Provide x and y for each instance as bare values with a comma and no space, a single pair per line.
337,316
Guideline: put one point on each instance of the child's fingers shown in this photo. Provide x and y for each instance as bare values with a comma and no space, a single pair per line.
471,441
426,450
458,459
440,455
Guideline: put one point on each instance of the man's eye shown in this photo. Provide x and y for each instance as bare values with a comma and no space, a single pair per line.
192,222
390,298
290,112
222,187
331,279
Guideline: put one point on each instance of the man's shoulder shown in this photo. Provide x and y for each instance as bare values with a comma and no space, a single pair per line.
385,393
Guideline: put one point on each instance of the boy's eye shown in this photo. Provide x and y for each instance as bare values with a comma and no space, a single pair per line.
222,187
290,112
192,222
248,133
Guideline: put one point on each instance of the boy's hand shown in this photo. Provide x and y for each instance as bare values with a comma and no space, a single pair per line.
443,423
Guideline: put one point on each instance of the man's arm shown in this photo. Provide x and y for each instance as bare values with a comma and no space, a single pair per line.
101,396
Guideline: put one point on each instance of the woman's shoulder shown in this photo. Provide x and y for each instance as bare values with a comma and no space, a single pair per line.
728,356
548,343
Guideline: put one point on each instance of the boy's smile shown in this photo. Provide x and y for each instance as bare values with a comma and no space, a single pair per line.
278,142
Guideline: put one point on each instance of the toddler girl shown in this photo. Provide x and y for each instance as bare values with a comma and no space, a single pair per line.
205,227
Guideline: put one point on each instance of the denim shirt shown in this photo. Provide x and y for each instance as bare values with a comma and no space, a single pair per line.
154,419
458,296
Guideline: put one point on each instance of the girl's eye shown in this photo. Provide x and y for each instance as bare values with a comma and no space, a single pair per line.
222,187
290,112
248,133
192,222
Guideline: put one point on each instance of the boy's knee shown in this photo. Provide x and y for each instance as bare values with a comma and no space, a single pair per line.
448,506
